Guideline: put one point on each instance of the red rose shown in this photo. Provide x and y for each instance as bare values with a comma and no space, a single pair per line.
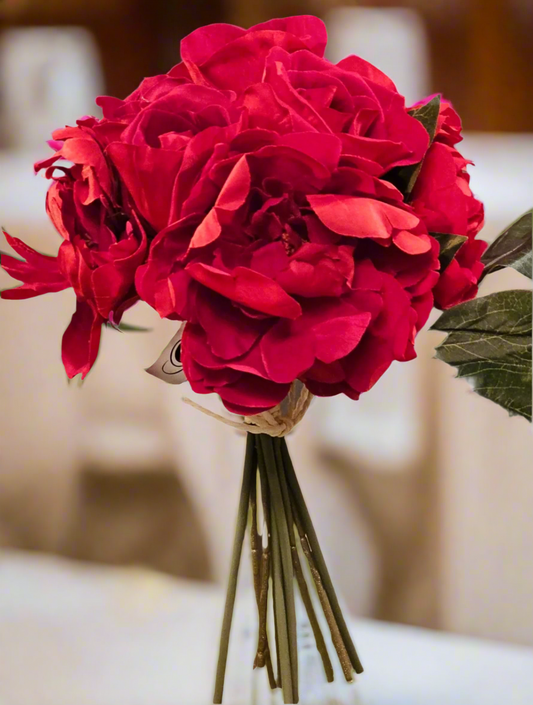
278,242
102,245
443,199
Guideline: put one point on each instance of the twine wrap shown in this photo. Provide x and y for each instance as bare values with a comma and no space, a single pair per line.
277,422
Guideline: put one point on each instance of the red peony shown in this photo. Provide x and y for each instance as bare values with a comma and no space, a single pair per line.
103,241
285,251
443,199
259,173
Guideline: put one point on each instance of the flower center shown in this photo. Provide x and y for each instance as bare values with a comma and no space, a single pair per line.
289,243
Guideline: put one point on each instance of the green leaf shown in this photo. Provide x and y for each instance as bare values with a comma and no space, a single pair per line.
405,177
512,248
489,342
449,246
127,328
428,115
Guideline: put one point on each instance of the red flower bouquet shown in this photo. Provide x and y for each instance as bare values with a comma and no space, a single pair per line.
301,221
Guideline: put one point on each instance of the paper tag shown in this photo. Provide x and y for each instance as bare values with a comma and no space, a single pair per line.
168,365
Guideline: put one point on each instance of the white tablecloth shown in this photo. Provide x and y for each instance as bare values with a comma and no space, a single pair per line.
73,634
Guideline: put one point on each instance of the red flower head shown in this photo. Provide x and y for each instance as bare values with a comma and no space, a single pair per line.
443,199
279,242
102,244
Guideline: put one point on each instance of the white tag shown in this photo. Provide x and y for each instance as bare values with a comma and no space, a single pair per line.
168,365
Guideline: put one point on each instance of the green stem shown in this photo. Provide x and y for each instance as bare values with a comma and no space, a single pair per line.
300,578
254,538
336,637
284,518
285,612
250,465
261,573
318,557
280,615
265,497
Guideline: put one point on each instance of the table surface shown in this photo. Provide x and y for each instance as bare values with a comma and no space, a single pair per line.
74,634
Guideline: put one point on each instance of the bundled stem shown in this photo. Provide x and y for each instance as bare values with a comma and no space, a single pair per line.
281,533
261,574
319,558
276,559
336,637
300,579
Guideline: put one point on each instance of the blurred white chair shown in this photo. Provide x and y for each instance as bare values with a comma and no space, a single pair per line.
502,176
49,77
393,39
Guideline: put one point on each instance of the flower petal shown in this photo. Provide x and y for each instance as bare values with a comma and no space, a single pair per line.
248,288
199,45
352,216
81,340
411,243
327,332
149,175
310,29
40,273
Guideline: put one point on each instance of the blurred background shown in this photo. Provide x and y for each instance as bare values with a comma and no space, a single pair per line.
422,493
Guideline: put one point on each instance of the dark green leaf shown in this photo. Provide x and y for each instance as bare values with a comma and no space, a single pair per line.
512,248
127,328
489,341
503,312
428,115
405,177
449,246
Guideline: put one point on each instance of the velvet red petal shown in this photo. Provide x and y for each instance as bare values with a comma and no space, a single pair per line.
149,176
39,273
248,288
360,217
81,340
